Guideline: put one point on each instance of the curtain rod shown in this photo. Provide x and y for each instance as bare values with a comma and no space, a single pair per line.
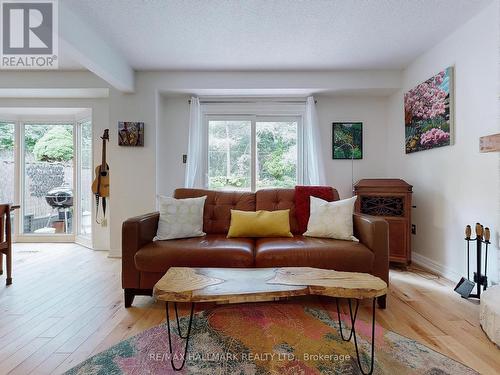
251,101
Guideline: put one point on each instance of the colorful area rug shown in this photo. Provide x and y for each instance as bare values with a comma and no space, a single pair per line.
268,338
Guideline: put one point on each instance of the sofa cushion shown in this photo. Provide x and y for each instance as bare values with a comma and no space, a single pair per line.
303,196
218,206
278,199
180,218
302,251
209,251
332,219
260,224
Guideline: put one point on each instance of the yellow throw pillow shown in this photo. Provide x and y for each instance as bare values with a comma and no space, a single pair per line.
260,224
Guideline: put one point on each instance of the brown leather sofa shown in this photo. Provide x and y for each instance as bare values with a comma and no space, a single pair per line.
144,262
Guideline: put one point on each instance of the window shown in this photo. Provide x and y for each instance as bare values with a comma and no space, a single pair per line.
276,154
47,204
229,154
85,171
7,171
46,166
7,164
254,152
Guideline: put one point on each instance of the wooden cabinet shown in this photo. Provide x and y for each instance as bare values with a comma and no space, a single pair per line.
390,199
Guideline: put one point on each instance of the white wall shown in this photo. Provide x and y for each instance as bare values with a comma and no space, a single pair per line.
132,169
172,143
371,110
456,185
172,139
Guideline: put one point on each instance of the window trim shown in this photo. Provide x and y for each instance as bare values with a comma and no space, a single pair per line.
254,118
20,122
82,239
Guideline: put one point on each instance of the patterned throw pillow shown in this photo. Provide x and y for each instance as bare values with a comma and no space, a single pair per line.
180,218
331,219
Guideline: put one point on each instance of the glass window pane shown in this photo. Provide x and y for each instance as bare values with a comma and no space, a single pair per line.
229,155
276,154
48,179
7,171
86,179
7,140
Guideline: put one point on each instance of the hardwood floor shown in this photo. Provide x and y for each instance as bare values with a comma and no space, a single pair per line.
66,304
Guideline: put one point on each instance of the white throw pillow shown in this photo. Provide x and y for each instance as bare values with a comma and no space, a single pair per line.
331,219
180,218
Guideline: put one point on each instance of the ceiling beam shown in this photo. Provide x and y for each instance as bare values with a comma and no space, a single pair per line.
89,49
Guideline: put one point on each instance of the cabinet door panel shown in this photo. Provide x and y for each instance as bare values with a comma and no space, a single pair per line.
397,238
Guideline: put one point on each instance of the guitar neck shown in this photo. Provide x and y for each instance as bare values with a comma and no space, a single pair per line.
103,164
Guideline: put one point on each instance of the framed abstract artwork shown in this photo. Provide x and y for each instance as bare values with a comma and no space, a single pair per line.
429,113
130,133
347,140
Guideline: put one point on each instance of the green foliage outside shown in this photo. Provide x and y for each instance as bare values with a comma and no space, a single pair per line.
277,155
6,136
34,133
56,145
230,154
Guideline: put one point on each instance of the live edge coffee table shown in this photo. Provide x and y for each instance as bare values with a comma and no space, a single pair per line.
241,285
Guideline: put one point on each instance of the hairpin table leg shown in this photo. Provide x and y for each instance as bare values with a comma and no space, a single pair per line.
353,321
181,336
178,324
340,321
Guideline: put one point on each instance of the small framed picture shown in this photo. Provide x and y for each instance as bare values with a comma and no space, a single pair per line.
347,140
130,133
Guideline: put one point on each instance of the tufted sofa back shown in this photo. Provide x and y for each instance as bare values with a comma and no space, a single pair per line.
278,199
218,206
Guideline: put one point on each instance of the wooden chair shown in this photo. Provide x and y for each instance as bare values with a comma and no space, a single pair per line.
5,241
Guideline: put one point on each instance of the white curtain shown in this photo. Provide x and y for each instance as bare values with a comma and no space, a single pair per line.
314,170
195,158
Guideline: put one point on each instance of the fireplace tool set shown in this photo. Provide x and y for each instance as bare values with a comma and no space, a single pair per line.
465,286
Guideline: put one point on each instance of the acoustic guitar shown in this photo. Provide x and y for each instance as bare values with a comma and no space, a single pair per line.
100,185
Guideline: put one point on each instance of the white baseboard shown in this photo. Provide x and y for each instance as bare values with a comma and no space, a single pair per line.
115,253
435,267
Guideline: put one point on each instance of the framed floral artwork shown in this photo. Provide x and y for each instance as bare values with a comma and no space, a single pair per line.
429,113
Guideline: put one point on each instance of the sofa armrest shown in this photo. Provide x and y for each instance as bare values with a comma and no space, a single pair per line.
136,232
373,232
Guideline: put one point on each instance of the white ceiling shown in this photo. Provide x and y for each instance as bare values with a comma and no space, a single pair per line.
272,34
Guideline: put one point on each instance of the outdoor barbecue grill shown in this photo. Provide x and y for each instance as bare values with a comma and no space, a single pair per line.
60,197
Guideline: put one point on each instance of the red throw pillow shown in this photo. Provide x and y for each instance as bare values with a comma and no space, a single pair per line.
303,202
